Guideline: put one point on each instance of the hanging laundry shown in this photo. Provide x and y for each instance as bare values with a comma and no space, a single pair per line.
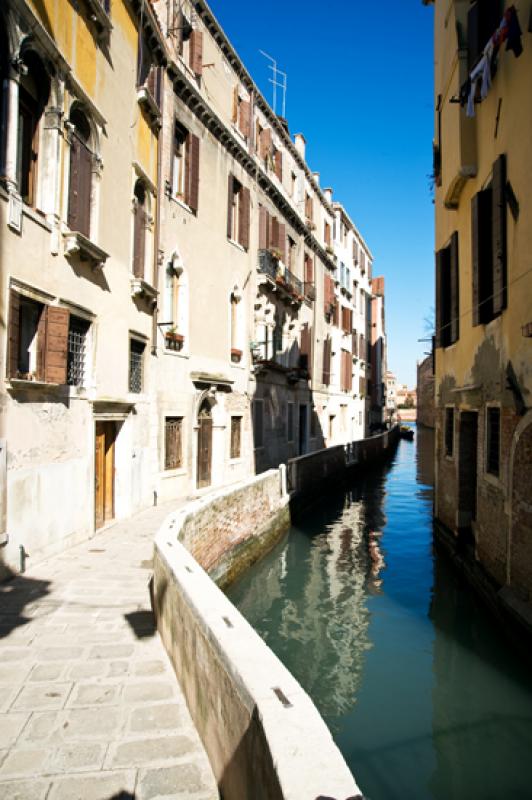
513,41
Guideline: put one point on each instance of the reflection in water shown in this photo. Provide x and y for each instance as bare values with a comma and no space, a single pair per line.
423,697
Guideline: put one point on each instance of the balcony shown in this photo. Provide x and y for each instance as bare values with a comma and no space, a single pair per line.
285,282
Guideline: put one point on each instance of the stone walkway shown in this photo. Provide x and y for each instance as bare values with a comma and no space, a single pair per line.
90,708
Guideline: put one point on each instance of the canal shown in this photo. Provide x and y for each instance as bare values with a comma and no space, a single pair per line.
421,692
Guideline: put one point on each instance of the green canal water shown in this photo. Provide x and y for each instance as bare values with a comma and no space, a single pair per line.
421,692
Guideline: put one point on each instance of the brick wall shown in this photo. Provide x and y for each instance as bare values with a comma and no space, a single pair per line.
231,528
425,393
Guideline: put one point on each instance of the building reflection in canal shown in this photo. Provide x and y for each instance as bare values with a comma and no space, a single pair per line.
421,691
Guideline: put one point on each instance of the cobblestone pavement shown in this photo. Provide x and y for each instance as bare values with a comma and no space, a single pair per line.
90,708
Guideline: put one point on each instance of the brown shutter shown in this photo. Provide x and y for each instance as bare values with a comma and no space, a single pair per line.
309,272
192,171
196,52
439,298
243,222
230,192
274,232
455,289
244,122
234,109
56,350
498,194
84,201
265,142
139,232
354,345
279,164
306,347
73,185
282,241
326,361
263,228
14,334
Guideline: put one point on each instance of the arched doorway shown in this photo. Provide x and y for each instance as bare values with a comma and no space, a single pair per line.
521,535
204,445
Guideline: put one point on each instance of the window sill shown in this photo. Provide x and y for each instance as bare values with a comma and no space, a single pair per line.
493,480
99,16
237,245
76,244
179,202
149,106
179,472
19,384
176,353
236,461
140,288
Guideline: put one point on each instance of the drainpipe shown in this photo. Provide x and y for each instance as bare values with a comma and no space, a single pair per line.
158,217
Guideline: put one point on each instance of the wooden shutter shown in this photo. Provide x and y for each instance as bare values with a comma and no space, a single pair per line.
14,334
279,164
309,272
282,241
498,197
154,84
41,345
243,222
306,347
192,171
354,345
244,122
84,200
139,234
196,52
439,298
263,228
326,361
56,347
265,142
274,232
230,192
455,289
73,185
234,108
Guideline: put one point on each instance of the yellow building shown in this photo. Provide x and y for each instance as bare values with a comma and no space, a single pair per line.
483,383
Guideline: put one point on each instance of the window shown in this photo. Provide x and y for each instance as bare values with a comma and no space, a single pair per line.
278,336
237,323
258,423
291,254
76,359
309,269
175,305
136,357
493,435
305,349
236,428
347,371
483,19
140,219
290,421
80,178
38,335
293,184
34,90
447,299
308,207
238,213
327,350
172,442
449,432
327,234
347,319
241,115
313,422
488,211
185,166
331,426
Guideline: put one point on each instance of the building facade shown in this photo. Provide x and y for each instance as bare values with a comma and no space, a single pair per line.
182,303
483,380
378,355
425,392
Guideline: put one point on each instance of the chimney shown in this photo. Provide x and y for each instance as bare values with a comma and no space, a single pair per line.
328,194
300,143
316,176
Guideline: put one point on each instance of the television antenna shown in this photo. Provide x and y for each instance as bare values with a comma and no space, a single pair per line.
279,81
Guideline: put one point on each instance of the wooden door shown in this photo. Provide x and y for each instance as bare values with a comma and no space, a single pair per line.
104,473
204,447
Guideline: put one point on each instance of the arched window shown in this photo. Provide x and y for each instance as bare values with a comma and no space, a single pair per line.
204,455
79,190
236,326
34,90
139,228
175,305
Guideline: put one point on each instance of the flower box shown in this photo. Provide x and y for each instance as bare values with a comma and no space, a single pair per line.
174,340
236,355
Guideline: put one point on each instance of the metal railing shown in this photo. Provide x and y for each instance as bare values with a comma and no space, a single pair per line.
270,265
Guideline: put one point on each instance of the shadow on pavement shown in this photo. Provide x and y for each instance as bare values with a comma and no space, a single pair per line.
16,593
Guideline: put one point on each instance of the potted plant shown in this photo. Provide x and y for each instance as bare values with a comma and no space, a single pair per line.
173,339
236,355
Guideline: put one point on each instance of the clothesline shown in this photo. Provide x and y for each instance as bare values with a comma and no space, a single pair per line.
478,84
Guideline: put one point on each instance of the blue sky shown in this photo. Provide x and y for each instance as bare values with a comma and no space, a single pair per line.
360,88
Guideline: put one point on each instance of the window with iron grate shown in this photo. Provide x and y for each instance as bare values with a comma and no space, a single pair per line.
172,442
136,356
77,351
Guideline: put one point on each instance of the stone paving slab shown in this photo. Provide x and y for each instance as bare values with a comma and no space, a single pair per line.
90,708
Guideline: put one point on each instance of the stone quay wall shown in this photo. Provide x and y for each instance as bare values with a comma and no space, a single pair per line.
264,737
